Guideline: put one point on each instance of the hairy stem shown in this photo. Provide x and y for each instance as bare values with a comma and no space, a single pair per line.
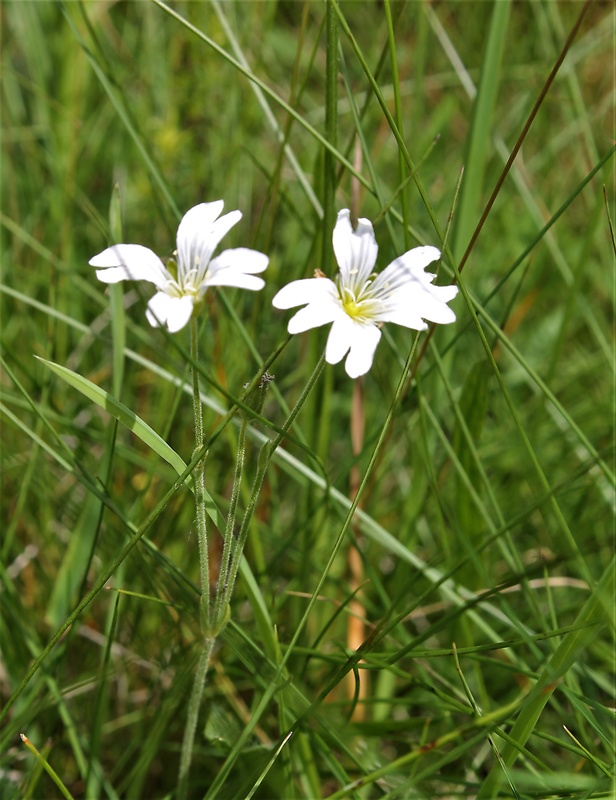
194,704
199,469
225,588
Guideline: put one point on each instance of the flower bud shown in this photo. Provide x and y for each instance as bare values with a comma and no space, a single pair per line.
256,398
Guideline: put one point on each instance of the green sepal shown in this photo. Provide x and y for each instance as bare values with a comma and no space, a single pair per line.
256,398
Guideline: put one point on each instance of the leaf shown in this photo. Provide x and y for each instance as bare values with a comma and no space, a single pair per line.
123,414
149,436
473,409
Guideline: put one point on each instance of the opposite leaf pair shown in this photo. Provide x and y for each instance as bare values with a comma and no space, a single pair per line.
356,302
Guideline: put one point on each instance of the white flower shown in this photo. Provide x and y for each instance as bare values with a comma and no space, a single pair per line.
183,282
358,301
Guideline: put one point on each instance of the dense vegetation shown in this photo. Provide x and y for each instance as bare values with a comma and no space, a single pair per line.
453,637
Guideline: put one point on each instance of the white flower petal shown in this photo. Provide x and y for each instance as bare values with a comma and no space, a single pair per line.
231,277
194,230
198,236
356,250
425,302
361,356
340,338
219,229
240,259
171,312
410,266
306,290
180,313
445,293
407,317
313,316
130,262
433,308
403,293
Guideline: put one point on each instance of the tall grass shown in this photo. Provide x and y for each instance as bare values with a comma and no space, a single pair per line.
425,607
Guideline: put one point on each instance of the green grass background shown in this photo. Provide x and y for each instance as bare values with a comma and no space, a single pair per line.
486,519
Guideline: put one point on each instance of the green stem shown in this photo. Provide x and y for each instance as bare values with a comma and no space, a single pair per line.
194,704
398,112
199,470
228,571
331,114
208,641
264,459
300,402
225,588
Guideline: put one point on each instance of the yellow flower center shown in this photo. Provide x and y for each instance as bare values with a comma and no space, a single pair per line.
356,307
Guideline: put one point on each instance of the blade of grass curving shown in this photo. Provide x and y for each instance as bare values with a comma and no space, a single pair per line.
100,582
20,619
41,759
124,114
527,125
122,413
161,448
608,215
530,450
46,309
331,132
93,777
535,378
267,91
487,722
509,164
565,657
390,120
260,95
395,79
57,263
478,144
268,766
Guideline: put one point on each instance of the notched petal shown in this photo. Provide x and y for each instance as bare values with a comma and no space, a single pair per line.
356,250
340,339
359,361
170,312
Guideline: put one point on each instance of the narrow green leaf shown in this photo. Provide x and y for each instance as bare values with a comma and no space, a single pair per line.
121,412
473,408
469,207
568,652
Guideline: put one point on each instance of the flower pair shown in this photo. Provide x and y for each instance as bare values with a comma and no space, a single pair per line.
356,302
